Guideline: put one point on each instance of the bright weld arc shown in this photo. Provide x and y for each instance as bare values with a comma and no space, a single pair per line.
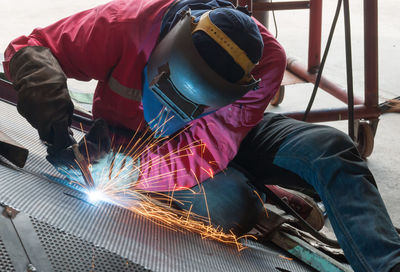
159,211
96,196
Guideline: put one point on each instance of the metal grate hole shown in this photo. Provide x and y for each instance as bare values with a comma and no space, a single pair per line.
67,252
5,261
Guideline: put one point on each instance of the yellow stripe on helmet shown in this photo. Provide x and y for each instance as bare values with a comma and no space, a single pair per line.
238,55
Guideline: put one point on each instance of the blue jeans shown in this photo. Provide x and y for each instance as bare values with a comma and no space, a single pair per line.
326,159
232,201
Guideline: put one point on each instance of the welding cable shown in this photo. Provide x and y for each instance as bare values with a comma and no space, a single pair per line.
349,69
321,67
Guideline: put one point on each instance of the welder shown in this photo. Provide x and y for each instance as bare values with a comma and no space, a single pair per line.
207,71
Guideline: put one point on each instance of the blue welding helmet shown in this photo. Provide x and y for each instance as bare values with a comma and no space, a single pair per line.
180,85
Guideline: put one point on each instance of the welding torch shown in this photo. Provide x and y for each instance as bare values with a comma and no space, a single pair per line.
83,165
97,143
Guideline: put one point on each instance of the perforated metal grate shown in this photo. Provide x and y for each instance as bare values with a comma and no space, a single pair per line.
67,252
5,261
107,228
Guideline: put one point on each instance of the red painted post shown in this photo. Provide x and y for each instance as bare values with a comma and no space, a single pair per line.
261,15
371,52
314,40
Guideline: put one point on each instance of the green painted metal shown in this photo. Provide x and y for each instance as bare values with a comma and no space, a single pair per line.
81,97
308,254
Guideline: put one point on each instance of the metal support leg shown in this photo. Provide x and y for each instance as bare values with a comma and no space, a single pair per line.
371,52
314,42
262,16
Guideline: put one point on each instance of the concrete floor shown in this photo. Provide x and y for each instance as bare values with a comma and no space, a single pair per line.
385,160
19,17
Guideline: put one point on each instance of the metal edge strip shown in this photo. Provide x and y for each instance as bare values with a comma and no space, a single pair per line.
12,243
31,242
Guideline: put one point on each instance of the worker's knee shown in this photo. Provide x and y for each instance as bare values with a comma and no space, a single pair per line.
230,201
334,156
324,141
319,154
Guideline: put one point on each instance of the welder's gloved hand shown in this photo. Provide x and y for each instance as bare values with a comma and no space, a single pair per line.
97,142
61,137
43,97
93,147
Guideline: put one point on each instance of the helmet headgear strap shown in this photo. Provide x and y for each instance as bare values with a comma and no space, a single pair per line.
239,56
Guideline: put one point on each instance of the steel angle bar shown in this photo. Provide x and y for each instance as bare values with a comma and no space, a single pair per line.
31,243
12,243
7,92
12,150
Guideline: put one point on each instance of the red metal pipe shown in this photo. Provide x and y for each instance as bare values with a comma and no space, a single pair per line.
314,40
266,6
7,92
336,114
337,91
371,52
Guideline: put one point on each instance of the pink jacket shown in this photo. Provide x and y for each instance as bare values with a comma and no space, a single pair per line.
112,43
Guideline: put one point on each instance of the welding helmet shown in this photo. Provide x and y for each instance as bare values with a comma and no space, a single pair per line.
187,75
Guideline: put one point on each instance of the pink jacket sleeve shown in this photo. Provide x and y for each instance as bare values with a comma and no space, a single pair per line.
211,142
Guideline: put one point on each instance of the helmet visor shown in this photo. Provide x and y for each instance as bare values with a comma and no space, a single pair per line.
182,80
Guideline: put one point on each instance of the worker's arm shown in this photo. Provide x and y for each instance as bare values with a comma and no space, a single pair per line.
43,97
181,162
77,47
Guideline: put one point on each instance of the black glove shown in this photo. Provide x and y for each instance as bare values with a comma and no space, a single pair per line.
94,150
43,97
62,137
96,144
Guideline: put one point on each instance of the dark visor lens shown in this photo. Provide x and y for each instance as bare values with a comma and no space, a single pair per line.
170,96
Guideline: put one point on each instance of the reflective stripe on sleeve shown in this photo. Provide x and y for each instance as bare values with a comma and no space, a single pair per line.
126,92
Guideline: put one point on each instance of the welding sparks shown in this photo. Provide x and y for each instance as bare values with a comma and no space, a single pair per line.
286,258
115,181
